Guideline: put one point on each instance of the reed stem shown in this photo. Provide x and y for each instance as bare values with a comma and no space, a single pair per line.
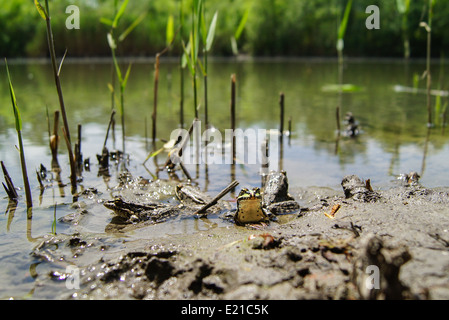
282,109
156,83
233,115
51,47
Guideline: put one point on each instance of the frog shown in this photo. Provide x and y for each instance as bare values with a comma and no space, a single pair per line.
189,198
134,212
253,206
249,207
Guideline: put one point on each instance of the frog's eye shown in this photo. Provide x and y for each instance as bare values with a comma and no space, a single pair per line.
256,192
244,193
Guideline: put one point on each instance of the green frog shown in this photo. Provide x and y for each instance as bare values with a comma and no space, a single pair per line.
249,207
253,207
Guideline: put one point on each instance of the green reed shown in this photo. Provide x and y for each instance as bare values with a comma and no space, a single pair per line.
18,120
207,39
428,26
403,7
45,14
112,42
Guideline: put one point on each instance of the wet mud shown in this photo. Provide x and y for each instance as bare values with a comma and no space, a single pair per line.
353,243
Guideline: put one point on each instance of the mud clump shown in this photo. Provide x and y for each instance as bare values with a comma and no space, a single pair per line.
356,189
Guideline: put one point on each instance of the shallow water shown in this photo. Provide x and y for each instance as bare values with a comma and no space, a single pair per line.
394,139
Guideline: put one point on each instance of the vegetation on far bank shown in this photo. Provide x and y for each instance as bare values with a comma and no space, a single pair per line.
273,27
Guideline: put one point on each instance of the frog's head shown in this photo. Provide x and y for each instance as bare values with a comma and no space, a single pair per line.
247,194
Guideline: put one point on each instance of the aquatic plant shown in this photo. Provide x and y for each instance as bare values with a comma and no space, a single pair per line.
428,26
18,121
238,32
342,31
170,36
112,42
190,56
208,39
45,14
182,66
403,7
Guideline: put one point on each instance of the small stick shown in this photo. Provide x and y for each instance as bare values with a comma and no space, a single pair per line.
146,135
111,121
290,125
156,83
183,168
289,129
78,155
41,185
54,139
231,186
281,104
338,118
265,162
9,187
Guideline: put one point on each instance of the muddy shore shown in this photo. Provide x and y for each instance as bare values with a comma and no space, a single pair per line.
398,243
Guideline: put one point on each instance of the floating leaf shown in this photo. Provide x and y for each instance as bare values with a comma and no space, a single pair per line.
342,88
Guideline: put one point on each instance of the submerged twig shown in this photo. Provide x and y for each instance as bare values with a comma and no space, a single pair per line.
9,187
214,201
72,162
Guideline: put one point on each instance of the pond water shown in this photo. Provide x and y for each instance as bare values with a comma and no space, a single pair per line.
394,138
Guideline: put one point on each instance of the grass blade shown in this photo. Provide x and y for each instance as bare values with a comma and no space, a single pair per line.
344,21
13,101
125,79
211,33
132,27
119,13
242,24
